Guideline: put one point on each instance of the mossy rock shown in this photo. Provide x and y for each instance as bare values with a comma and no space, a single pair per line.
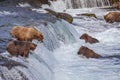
88,15
113,1
64,16
51,12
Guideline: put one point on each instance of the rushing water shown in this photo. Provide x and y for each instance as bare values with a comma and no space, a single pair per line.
74,67
56,58
87,3
75,4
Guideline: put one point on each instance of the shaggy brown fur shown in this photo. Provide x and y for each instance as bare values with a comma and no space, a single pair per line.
116,5
112,17
88,53
21,48
26,33
88,38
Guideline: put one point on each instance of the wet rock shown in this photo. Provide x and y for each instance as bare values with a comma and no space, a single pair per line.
9,63
113,1
88,53
112,17
64,16
116,5
2,0
37,3
88,38
33,3
87,14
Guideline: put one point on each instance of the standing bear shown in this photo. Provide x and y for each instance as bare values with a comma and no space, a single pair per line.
22,33
21,48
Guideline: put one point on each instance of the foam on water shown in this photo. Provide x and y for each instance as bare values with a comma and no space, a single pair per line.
61,5
56,58
73,67
40,64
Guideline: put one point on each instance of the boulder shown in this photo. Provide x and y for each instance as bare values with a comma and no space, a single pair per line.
89,39
112,17
88,53
64,16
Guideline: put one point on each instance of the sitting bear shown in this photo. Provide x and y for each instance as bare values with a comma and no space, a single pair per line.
89,39
112,17
21,48
88,53
26,33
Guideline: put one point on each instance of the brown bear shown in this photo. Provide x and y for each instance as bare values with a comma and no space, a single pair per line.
21,48
88,53
26,33
116,5
112,17
88,38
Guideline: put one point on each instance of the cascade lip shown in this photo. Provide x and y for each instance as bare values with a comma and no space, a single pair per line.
5,62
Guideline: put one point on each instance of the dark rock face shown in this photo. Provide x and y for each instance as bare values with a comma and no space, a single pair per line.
112,17
5,62
2,0
116,5
37,3
88,38
88,53
113,1
64,16
33,3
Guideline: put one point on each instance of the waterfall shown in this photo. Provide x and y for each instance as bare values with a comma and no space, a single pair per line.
88,3
73,4
54,34
40,64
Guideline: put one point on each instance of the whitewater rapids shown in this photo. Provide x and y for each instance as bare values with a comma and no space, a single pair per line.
73,67
56,58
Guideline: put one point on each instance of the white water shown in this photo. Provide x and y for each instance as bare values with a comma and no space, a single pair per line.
62,5
41,63
57,59
88,3
73,67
